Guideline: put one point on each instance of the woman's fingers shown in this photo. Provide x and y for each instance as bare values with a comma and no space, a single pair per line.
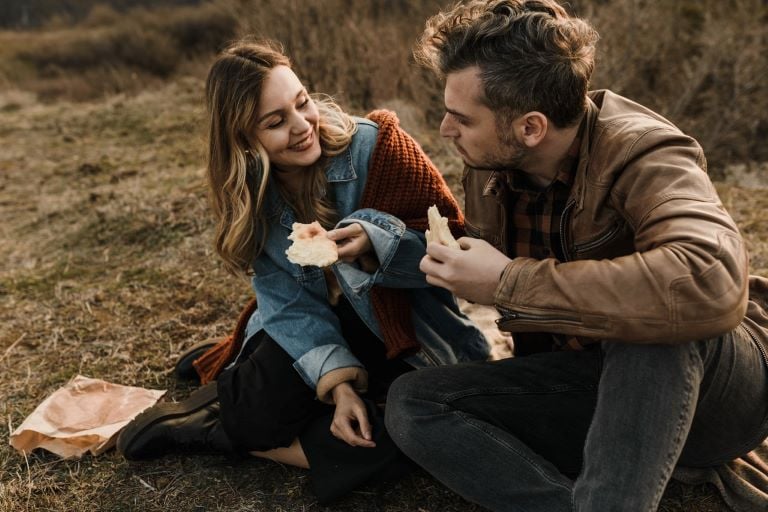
352,241
351,425
364,426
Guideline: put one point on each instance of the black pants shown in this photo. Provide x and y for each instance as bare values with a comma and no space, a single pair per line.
265,404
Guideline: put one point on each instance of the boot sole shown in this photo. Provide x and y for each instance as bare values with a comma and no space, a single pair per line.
199,399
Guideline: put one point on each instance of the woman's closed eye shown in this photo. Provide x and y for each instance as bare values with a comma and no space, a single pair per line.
276,122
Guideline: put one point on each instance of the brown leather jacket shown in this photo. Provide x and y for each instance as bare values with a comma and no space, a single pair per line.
652,255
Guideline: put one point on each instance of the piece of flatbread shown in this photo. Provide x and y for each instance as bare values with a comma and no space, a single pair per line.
310,246
438,231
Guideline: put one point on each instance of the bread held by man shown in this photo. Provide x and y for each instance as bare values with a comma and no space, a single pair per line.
438,231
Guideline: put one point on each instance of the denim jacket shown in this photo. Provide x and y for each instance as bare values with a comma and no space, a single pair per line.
293,300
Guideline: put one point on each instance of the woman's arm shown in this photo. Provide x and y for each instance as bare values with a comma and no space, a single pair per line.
299,318
397,252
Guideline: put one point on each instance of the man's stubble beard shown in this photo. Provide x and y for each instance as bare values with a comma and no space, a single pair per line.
510,156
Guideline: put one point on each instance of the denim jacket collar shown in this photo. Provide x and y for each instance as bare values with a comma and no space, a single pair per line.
340,169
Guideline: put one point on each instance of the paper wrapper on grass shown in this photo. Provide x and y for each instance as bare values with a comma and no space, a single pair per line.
311,246
438,231
84,415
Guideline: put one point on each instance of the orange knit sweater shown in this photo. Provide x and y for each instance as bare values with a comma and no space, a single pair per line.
403,182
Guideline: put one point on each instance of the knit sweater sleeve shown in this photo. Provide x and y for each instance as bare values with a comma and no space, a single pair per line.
403,181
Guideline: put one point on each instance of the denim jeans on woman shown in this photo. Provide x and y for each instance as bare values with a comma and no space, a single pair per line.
599,430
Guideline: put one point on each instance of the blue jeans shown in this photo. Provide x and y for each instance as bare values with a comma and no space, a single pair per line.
598,430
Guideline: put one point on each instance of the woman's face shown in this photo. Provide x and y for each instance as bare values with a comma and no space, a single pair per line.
287,121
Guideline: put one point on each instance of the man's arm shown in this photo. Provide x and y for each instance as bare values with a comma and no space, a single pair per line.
687,279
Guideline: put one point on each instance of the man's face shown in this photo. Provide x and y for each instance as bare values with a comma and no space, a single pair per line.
472,126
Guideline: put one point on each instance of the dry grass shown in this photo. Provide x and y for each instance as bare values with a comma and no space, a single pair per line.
108,273
704,66
106,239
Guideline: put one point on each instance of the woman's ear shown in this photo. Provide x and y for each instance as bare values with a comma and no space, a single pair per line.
531,128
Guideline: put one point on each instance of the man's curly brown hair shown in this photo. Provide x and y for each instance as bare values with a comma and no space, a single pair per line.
532,55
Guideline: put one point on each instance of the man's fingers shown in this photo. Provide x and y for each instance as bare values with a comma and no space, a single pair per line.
434,269
436,281
466,242
438,251
427,265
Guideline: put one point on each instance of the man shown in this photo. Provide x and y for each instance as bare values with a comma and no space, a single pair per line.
640,338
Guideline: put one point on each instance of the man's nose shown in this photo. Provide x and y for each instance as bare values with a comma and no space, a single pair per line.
447,127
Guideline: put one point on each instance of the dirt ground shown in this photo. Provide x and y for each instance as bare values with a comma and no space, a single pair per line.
108,271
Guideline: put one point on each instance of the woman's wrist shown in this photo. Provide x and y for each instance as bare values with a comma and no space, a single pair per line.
341,389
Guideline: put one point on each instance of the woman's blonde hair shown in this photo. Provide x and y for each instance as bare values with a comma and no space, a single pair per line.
238,173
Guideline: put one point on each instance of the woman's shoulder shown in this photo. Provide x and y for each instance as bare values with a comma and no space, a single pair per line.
366,128
363,141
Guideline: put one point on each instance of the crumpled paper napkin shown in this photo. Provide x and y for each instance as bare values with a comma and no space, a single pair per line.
84,415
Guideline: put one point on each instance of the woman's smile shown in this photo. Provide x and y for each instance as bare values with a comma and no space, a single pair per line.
305,143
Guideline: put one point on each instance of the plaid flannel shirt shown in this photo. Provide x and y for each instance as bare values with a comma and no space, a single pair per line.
534,231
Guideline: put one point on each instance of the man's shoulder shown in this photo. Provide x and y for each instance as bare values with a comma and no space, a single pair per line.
621,129
623,135
618,114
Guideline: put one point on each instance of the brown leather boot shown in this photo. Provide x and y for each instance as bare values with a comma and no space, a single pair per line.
184,368
190,426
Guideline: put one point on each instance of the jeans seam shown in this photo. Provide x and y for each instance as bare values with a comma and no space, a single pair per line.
679,439
459,395
467,419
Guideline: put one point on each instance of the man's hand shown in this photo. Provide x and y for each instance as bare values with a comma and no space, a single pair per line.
471,273
350,419
352,241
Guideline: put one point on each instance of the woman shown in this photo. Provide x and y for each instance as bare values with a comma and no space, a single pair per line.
318,353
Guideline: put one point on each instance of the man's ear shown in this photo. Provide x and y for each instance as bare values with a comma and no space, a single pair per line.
531,128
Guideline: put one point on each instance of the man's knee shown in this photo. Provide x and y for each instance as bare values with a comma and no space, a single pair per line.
648,353
398,398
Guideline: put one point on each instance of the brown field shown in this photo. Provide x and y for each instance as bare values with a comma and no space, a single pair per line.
105,241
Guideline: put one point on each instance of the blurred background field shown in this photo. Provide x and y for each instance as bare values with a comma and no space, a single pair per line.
105,240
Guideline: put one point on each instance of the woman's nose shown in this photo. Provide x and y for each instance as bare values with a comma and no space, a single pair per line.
300,123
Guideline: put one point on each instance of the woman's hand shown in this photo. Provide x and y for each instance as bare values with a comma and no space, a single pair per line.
350,420
352,241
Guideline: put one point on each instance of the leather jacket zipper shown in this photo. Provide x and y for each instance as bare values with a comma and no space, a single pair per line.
757,342
508,315
563,229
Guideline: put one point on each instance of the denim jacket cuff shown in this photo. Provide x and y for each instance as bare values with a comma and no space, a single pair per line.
389,237
322,360
357,376
384,231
